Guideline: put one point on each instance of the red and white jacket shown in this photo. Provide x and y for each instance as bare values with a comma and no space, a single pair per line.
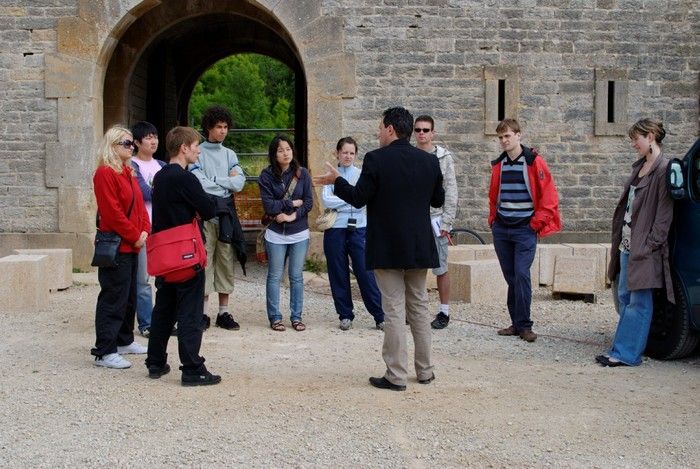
540,184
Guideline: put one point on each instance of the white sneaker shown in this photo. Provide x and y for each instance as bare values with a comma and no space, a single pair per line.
113,360
345,324
133,348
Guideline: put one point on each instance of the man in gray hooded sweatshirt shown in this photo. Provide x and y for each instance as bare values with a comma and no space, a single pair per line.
221,175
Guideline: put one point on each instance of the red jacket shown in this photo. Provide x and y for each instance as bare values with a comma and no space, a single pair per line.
545,219
114,193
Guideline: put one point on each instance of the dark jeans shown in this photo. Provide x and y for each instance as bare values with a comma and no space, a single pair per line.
182,303
116,305
515,248
338,244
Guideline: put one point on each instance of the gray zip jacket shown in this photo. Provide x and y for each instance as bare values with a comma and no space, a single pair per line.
449,182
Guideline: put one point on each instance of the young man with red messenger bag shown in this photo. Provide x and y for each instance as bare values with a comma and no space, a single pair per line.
178,198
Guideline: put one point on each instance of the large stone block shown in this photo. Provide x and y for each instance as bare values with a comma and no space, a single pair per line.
471,251
24,284
68,76
574,274
321,37
59,267
548,253
76,213
596,252
80,244
460,253
607,262
77,37
478,281
335,75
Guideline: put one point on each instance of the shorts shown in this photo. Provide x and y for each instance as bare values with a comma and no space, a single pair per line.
220,258
441,244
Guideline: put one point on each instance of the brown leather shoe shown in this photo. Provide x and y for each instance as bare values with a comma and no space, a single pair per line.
510,330
527,335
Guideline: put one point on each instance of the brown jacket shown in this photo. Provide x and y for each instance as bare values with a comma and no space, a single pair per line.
652,214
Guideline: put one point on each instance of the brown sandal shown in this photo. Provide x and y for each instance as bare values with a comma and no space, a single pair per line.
277,326
298,326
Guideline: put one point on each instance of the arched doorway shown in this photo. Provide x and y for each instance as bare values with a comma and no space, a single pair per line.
99,76
155,65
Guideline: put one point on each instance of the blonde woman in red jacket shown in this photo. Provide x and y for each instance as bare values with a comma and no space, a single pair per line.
121,210
523,204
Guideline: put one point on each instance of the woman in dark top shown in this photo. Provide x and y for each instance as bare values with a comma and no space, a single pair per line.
287,236
639,252
177,198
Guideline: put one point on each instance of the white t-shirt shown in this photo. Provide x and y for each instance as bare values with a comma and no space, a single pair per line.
148,170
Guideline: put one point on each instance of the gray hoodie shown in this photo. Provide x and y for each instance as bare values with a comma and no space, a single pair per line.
449,182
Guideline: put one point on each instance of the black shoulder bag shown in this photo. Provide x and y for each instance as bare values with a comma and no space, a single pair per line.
106,242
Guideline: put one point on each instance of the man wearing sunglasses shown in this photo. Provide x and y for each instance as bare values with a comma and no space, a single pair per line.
443,217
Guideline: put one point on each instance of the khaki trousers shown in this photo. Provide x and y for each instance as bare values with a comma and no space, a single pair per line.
404,297
219,270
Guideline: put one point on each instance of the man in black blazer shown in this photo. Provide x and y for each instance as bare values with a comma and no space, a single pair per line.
398,184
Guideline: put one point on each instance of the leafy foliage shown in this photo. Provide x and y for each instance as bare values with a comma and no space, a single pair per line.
259,92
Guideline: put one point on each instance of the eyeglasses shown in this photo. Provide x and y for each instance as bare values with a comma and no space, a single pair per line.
425,131
126,143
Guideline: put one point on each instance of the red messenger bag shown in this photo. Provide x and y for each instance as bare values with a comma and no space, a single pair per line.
176,254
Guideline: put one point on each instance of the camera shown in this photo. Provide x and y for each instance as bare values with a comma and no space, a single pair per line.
352,224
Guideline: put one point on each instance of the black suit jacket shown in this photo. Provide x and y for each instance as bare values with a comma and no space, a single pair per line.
398,183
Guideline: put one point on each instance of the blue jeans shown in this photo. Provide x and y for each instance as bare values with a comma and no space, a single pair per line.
515,247
338,244
636,309
144,295
277,254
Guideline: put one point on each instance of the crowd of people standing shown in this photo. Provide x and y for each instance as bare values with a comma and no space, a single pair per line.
392,223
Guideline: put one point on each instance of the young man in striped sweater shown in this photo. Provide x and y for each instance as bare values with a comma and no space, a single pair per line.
523,204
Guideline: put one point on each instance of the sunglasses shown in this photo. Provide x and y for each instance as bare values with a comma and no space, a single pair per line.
425,131
126,143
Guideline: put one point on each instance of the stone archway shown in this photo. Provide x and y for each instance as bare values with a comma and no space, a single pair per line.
106,34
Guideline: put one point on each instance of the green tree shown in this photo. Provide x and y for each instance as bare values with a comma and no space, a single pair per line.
259,92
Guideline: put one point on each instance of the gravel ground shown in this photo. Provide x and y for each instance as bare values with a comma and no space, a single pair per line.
302,399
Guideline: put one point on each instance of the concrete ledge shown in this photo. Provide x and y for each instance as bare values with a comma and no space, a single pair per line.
547,255
80,244
574,275
24,286
59,267
596,252
478,281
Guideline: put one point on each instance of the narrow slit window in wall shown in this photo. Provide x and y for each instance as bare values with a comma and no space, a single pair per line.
611,101
501,95
611,95
501,100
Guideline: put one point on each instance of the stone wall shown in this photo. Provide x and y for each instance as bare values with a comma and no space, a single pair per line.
432,56
28,119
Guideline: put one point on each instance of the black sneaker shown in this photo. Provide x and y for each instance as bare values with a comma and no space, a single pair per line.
441,321
206,322
226,321
203,379
155,372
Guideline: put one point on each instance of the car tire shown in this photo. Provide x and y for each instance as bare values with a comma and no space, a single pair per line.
670,335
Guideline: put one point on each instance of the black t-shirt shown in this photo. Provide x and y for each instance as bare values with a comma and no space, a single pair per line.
177,196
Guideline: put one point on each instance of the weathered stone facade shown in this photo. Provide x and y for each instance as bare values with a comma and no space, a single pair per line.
70,67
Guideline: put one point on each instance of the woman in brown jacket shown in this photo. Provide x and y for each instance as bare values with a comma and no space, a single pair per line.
639,251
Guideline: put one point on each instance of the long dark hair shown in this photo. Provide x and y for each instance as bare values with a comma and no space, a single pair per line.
272,155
